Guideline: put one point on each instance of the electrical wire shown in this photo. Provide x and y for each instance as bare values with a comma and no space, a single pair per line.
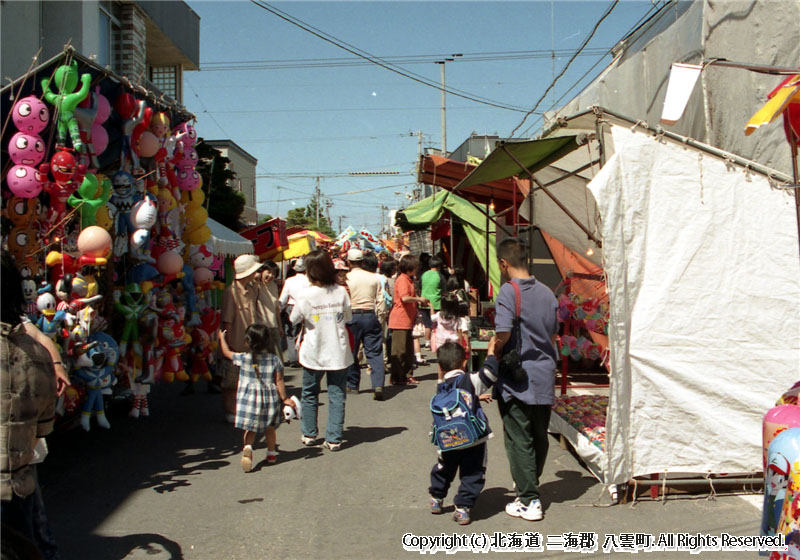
582,46
375,60
635,26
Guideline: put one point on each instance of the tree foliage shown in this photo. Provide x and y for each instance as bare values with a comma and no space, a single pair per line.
225,204
306,217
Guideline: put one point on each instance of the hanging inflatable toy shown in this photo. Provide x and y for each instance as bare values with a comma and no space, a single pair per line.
51,321
131,303
25,181
143,217
132,112
67,177
66,100
26,149
90,196
95,367
776,420
30,115
94,244
125,195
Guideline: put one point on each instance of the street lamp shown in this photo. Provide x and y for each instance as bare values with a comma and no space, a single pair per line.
444,109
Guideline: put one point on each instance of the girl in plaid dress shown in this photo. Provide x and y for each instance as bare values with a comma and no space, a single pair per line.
261,393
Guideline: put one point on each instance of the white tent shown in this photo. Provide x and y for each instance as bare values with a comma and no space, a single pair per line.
227,242
702,271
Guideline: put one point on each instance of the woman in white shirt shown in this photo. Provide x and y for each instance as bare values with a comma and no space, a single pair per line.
324,310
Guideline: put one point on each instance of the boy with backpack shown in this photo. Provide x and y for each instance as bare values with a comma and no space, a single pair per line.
460,430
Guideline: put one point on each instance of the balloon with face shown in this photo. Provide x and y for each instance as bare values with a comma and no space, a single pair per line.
25,181
94,241
26,149
30,115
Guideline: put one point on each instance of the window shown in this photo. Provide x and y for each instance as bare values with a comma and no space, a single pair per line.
108,29
165,78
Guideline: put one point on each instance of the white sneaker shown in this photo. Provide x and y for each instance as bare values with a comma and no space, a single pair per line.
307,440
533,512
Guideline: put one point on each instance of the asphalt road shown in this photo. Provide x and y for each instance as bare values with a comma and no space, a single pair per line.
171,486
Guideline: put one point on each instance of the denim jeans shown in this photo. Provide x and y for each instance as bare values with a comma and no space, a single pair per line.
366,329
337,381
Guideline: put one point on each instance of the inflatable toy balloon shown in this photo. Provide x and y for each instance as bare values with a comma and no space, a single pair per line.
778,419
159,125
195,218
30,115
202,276
94,241
200,256
198,236
188,158
169,262
26,149
21,241
783,453
66,100
147,144
126,105
103,217
188,179
103,108
188,129
21,211
99,138
25,181
95,367
193,199
143,274
90,196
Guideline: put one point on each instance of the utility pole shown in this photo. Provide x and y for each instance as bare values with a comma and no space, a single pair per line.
328,205
317,201
444,109
340,223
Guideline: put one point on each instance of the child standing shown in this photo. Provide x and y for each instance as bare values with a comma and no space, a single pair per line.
450,324
261,394
470,461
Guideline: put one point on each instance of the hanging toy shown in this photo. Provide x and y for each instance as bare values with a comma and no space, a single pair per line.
132,304
30,115
95,367
202,351
94,244
125,195
66,100
68,176
90,196
132,113
143,217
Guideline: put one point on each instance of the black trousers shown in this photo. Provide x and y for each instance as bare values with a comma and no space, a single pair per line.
471,462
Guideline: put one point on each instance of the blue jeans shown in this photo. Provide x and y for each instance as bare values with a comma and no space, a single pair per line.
337,381
366,329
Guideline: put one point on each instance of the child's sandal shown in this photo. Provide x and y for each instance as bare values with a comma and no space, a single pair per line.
272,457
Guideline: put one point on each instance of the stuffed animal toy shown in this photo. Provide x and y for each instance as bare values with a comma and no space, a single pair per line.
95,368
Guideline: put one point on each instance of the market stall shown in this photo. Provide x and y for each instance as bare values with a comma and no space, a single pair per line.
105,216
693,297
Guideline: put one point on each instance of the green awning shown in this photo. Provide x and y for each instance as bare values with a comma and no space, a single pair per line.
533,154
473,219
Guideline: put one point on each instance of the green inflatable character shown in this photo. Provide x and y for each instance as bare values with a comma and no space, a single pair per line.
86,198
66,100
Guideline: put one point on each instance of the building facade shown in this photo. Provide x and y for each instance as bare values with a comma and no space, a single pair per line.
151,43
244,165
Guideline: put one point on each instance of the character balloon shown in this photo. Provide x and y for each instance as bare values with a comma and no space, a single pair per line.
66,100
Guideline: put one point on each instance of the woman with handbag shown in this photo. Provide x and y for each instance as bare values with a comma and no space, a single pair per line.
401,321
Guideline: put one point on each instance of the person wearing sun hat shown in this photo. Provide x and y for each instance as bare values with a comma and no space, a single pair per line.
245,302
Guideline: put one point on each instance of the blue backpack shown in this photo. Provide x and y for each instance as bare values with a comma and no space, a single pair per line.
455,425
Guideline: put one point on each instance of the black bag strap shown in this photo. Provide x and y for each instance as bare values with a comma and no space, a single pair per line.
517,327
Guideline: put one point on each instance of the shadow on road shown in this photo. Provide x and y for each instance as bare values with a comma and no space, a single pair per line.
491,502
571,486
98,471
354,435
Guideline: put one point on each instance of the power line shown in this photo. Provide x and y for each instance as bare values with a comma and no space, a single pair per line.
375,60
583,45
292,64
635,26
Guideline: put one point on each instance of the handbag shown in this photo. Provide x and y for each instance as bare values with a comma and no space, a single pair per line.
510,366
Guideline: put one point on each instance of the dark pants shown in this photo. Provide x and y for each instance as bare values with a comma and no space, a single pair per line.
27,516
366,329
525,436
402,356
472,464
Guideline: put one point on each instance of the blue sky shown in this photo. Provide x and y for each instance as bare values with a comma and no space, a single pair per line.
332,120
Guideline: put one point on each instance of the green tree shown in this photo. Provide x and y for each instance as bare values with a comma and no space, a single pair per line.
225,204
307,218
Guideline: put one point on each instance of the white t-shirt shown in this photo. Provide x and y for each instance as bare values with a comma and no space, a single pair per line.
324,312
291,288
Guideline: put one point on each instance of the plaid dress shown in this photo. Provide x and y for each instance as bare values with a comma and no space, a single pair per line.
258,405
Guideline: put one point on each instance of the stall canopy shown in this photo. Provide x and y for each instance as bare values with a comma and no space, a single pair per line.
227,242
431,209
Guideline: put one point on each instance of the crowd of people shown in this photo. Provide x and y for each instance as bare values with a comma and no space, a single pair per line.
327,312
332,308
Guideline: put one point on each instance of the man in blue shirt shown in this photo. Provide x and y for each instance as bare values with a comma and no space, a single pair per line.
526,400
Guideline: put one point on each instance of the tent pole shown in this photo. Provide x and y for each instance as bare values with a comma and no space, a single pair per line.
796,180
553,198
530,231
452,234
601,140
488,278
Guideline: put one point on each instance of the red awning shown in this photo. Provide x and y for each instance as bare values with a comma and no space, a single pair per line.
447,173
